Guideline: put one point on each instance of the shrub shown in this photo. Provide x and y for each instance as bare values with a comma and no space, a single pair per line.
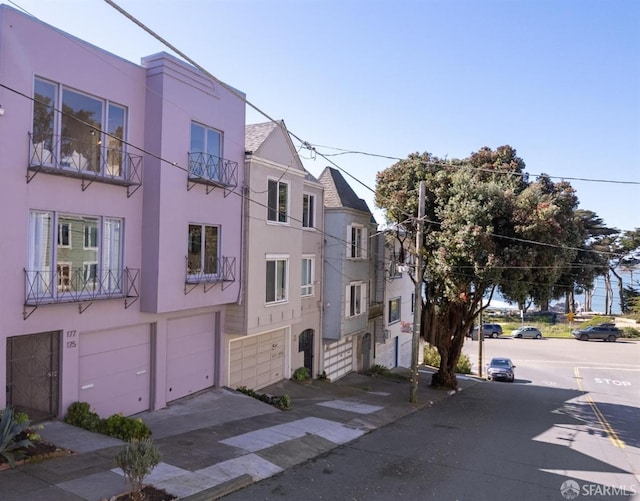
281,402
381,370
10,442
80,414
137,459
125,428
630,332
323,376
301,374
432,358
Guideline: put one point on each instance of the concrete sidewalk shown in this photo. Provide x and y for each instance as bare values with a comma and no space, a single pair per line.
220,440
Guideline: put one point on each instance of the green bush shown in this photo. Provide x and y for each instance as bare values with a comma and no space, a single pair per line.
281,402
137,459
630,332
432,358
80,414
301,374
125,428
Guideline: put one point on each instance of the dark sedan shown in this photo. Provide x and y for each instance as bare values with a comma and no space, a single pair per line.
501,368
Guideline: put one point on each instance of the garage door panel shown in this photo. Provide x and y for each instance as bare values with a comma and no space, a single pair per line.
190,355
114,370
258,361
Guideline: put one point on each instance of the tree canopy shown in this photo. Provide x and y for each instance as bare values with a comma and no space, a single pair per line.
486,226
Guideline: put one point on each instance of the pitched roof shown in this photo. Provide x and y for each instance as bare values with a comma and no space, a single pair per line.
338,193
256,134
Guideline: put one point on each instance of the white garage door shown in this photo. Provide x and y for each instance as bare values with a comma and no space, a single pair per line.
257,361
113,370
338,359
190,355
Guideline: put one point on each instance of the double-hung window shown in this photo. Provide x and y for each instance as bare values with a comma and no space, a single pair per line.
307,276
65,261
203,260
205,153
356,242
308,210
277,201
276,279
88,136
355,299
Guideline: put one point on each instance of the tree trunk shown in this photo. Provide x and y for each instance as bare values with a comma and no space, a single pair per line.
608,297
620,289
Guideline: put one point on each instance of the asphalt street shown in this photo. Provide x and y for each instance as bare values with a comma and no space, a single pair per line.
558,426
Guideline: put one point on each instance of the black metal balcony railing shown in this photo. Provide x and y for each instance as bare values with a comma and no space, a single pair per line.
218,270
50,287
212,170
88,161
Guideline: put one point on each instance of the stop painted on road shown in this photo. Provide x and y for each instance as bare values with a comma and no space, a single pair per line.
615,382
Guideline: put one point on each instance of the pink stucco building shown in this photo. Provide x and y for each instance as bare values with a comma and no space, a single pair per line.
123,224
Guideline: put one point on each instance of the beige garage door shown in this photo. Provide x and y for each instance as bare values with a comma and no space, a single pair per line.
114,370
257,361
190,355
338,358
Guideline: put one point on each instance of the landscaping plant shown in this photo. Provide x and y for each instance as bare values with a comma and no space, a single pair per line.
137,459
10,431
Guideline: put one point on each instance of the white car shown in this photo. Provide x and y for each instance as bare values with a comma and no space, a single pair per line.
527,331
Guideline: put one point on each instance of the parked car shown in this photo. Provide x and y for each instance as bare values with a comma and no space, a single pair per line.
606,332
488,330
527,331
501,368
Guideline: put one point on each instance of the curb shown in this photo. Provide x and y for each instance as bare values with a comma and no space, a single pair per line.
222,489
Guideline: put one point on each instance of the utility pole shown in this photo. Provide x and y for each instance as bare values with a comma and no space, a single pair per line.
417,306
480,341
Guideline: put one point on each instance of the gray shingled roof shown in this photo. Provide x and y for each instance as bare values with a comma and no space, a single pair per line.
256,134
338,193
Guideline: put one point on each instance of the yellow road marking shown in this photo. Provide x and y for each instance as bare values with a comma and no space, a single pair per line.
613,436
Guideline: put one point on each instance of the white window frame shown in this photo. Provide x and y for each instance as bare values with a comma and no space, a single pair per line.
87,237
60,267
398,302
60,242
308,214
356,299
355,251
281,292
306,282
274,215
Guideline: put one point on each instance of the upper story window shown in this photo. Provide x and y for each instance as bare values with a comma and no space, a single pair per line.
75,268
308,210
276,278
205,153
355,299
394,310
307,276
357,242
203,260
86,138
277,201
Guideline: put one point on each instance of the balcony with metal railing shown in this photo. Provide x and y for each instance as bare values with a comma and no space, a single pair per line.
88,161
216,270
79,286
212,171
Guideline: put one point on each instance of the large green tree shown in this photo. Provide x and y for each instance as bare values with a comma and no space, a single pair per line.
486,225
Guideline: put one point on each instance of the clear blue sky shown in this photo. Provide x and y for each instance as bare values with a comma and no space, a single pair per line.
557,80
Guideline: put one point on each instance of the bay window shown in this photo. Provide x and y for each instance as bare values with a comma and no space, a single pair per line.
355,299
307,277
